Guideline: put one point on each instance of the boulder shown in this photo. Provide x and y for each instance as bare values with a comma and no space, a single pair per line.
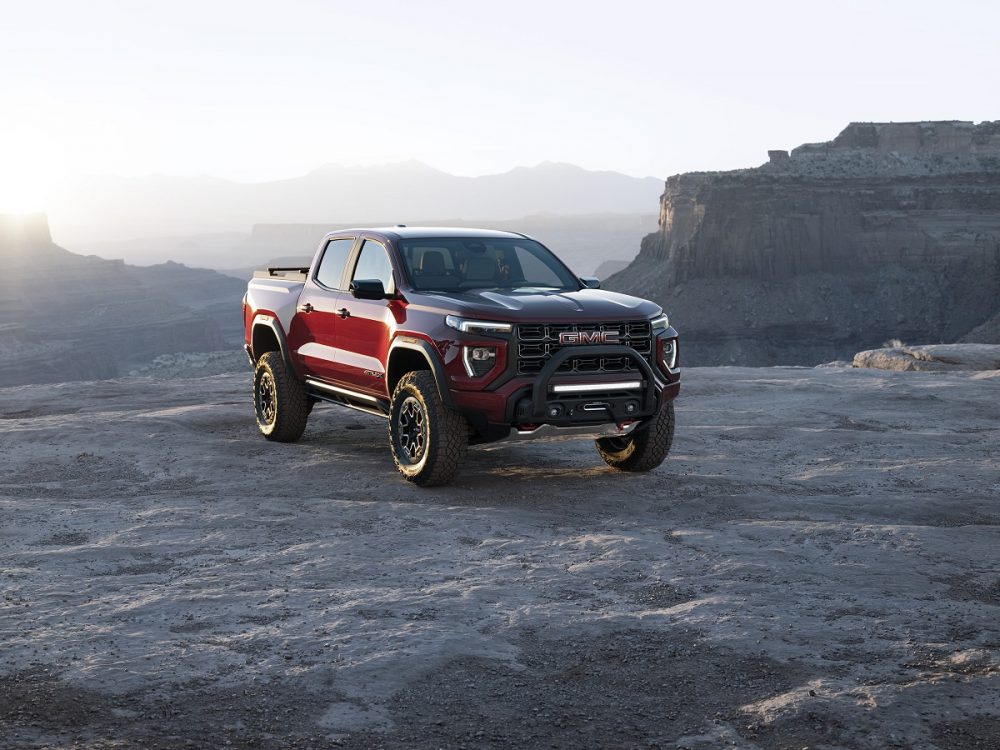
932,357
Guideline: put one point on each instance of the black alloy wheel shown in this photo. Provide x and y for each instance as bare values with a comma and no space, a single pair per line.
266,408
412,433
427,439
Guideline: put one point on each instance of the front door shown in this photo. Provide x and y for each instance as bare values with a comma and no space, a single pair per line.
313,338
363,336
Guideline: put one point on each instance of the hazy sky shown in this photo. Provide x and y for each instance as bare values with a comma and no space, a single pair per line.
253,91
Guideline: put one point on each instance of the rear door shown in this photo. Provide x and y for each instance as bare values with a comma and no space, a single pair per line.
314,328
363,336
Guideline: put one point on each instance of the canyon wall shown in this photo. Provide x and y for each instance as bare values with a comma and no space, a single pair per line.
66,317
891,230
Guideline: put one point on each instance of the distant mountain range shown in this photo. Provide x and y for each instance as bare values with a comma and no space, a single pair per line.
103,209
585,243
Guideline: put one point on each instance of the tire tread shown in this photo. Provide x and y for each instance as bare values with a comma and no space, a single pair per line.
291,401
447,432
646,449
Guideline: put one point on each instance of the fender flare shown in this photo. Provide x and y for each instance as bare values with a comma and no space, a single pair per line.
437,369
270,322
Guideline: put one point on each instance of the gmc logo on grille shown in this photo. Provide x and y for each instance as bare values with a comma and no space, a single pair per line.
585,337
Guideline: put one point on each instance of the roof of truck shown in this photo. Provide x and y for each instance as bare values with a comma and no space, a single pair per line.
407,233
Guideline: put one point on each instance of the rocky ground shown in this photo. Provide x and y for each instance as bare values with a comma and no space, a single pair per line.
816,565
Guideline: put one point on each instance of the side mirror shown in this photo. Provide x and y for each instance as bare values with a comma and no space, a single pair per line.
591,282
368,289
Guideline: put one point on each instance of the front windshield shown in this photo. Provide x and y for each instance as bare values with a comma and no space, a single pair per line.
453,264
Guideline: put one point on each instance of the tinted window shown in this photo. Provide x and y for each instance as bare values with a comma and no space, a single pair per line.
373,263
331,267
534,269
455,263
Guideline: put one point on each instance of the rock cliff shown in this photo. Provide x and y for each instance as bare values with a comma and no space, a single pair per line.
890,230
70,317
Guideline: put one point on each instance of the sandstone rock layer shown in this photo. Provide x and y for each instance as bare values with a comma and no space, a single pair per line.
889,230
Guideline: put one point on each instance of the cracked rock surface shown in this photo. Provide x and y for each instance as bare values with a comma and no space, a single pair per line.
814,566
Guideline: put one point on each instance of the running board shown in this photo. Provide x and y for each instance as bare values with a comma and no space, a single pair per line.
336,394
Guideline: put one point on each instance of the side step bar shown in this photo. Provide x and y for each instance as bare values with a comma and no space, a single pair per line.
335,394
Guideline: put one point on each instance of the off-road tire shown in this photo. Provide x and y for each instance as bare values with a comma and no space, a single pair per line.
644,449
283,417
444,432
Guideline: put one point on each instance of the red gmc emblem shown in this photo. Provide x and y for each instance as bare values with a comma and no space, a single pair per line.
588,337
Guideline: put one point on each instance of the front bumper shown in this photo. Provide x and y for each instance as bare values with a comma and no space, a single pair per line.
570,404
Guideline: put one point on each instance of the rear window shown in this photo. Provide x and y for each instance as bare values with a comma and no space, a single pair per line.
331,266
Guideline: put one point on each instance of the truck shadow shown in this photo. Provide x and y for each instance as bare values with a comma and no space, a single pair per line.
368,437
544,472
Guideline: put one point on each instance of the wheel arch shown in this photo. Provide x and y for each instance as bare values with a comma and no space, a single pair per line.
407,355
266,336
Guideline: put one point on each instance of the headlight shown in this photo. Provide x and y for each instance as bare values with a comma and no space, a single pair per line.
660,323
476,326
666,354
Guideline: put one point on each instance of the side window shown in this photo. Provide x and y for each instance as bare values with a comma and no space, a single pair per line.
331,267
373,263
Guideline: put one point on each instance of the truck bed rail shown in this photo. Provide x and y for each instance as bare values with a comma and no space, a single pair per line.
291,273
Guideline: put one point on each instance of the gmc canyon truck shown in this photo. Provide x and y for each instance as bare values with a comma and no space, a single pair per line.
459,337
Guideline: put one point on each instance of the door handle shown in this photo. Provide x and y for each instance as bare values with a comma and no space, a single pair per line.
344,312
306,308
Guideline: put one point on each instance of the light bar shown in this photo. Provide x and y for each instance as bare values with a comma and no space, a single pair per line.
622,385
476,326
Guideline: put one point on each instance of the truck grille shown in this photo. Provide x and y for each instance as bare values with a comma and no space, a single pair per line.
536,343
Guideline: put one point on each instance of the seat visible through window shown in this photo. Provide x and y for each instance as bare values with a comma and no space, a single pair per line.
432,271
480,268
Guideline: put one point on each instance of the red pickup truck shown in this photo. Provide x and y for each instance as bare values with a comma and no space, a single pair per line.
459,337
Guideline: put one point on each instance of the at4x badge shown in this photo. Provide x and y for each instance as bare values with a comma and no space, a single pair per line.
588,337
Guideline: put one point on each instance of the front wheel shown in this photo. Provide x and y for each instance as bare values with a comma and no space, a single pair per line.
644,449
428,439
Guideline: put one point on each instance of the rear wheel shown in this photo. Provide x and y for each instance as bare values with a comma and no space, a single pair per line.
428,439
642,450
280,401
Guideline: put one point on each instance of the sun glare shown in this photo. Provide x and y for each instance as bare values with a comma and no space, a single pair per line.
28,172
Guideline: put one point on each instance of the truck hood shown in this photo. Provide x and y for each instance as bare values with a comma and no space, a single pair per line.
532,304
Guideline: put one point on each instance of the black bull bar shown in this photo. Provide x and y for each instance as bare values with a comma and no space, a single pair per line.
647,393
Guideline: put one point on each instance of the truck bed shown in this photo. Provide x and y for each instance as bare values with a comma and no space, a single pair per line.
277,290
